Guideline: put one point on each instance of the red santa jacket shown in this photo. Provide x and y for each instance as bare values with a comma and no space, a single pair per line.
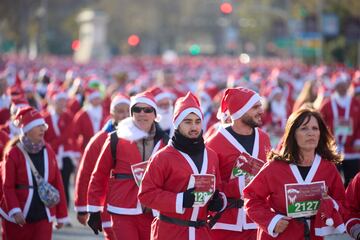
60,136
164,182
87,165
228,149
265,201
331,110
4,115
16,171
84,128
121,194
4,138
353,203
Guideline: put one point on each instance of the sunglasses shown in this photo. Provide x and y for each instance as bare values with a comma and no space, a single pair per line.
144,109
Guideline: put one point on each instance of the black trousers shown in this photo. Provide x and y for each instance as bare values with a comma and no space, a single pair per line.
66,171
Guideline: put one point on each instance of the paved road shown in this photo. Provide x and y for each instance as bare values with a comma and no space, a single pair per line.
80,232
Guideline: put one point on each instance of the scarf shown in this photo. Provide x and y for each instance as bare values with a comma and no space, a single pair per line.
190,146
31,147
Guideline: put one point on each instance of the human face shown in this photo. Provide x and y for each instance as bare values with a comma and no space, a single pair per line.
190,127
60,105
307,135
164,104
252,117
143,120
120,112
36,134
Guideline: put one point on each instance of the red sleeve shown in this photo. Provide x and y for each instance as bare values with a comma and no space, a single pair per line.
98,185
256,205
86,167
9,173
353,203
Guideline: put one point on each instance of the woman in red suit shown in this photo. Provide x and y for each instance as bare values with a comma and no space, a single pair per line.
284,198
25,215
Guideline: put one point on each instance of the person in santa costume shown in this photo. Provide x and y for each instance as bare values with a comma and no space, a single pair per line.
165,186
241,138
119,110
286,198
5,99
10,127
60,134
341,113
25,215
88,121
353,203
139,137
164,102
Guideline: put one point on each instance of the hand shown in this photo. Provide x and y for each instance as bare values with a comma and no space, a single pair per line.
281,225
94,222
82,217
59,225
19,218
189,198
216,203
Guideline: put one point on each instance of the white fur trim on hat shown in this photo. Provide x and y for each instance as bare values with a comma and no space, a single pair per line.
32,124
93,95
184,113
135,100
118,101
163,95
253,100
59,96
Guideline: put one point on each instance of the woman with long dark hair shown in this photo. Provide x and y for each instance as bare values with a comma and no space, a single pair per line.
286,195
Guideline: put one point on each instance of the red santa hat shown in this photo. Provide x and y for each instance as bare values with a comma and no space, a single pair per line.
119,99
184,106
143,97
238,101
18,102
28,118
339,77
92,93
160,93
55,92
328,220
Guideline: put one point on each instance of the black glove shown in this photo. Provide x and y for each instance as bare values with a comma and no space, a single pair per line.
216,202
189,198
94,222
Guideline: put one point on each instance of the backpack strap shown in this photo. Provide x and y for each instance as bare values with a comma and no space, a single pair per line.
113,144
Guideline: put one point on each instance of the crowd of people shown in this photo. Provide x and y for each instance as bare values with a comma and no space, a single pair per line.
195,148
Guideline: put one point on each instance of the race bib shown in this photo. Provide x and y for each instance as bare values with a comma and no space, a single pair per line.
246,165
343,127
303,200
204,188
138,171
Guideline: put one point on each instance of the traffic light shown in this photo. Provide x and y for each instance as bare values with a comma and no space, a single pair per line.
75,45
133,40
226,8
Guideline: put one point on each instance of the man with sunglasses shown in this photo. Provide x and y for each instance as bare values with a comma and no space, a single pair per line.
166,185
139,137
